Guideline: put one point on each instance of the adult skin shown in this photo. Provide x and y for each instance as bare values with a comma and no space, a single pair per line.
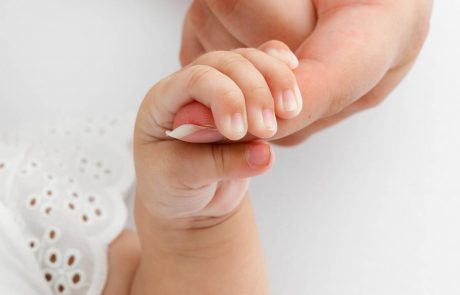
352,53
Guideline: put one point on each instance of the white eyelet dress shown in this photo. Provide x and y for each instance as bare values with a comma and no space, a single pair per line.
62,201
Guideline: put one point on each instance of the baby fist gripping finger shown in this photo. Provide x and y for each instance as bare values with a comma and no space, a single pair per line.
199,83
178,180
268,84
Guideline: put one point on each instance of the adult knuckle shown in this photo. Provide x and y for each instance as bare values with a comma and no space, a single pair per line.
198,16
185,55
223,7
219,159
339,90
371,100
337,102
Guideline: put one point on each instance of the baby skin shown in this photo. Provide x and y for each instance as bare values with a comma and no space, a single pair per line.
195,225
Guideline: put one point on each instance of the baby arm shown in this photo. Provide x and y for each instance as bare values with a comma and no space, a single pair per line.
194,219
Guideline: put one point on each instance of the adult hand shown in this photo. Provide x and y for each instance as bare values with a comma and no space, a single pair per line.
352,53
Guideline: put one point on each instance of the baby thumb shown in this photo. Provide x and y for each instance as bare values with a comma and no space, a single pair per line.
202,165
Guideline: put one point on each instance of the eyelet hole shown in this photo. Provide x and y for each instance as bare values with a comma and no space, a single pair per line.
33,244
49,193
71,260
71,206
47,210
61,288
32,202
48,277
98,212
53,257
76,278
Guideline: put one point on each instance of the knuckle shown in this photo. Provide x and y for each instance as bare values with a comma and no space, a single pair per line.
198,75
336,98
219,159
286,75
197,15
262,93
225,61
233,99
183,177
371,100
186,55
283,77
274,44
337,101
223,7
247,51
231,61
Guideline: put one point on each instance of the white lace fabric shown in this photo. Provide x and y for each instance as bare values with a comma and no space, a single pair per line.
66,187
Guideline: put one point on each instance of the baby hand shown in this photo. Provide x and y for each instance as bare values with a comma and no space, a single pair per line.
265,88
244,89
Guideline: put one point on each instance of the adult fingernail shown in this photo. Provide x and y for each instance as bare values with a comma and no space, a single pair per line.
258,155
186,130
237,124
286,56
288,102
269,119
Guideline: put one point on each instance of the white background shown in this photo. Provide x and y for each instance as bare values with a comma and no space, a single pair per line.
369,206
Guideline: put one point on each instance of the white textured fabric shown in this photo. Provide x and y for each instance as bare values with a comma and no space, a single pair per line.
64,187
19,271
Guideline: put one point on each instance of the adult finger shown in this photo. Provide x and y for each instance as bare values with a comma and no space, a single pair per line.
256,21
281,51
351,50
207,30
370,100
191,47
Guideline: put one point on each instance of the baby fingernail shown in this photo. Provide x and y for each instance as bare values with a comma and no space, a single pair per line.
286,56
258,155
288,101
269,119
298,96
237,123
